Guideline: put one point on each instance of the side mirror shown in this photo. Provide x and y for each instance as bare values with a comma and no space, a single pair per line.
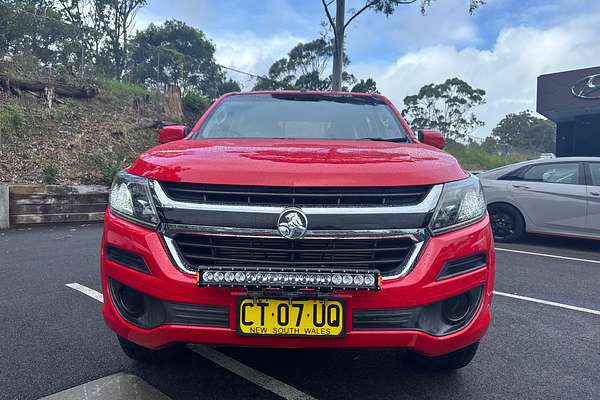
432,137
172,132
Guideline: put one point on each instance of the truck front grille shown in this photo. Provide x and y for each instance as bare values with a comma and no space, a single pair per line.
295,196
385,255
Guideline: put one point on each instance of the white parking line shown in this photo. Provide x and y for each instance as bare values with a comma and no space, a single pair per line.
258,378
550,303
250,374
87,291
548,255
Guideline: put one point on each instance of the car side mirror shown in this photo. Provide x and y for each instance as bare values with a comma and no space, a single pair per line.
432,137
172,132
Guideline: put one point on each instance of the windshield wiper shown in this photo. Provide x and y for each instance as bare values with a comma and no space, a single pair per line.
380,139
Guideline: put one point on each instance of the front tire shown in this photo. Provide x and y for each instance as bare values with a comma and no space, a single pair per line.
507,222
145,355
451,361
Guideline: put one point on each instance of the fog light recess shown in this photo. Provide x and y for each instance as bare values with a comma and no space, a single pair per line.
132,301
456,309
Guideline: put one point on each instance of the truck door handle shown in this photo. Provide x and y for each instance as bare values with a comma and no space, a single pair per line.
595,193
521,187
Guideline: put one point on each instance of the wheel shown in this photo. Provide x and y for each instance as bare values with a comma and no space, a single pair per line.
507,223
456,360
145,355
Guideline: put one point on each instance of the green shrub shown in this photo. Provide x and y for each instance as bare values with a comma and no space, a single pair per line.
195,104
121,89
11,120
475,158
26,64
60,73
50,174
109,170
107,167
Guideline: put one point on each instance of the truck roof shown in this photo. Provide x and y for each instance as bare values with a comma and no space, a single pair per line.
326,92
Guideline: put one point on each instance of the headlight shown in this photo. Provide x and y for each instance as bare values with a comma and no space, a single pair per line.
462,203
130,198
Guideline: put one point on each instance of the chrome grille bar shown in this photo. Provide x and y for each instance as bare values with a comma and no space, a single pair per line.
416,235
425,206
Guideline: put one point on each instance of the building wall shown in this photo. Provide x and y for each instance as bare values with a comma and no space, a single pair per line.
579,137
577,117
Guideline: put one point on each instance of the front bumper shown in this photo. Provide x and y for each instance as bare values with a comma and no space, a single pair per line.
418,288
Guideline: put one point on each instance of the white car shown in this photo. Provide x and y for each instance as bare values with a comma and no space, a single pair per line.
555,196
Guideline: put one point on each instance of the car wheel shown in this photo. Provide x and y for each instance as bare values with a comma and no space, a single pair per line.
507,222
455,360
145,355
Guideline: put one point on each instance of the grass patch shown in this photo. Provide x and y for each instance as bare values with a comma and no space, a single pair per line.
475,158
121,89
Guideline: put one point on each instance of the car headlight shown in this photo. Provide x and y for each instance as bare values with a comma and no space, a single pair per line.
130,198
462,203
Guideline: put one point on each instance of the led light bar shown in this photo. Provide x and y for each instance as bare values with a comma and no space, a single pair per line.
298,279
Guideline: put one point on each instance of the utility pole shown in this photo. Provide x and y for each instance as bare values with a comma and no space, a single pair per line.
338,57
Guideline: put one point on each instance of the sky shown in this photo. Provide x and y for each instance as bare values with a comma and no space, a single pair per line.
502,48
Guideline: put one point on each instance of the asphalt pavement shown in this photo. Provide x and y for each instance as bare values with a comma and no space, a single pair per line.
53,338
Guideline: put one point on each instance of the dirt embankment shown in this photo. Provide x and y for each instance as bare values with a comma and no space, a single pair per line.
77,141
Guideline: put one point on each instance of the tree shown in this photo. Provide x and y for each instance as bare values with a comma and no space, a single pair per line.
339,26
177,54
70,33
117,17
491,145
526,132
229,85
33,27
126,11
365,86
278,77
447,107
303,68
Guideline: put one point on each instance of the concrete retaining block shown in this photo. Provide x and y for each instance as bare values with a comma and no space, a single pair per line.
50,204
4,208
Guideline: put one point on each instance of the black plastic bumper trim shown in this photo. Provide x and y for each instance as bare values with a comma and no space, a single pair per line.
463,265
126,258
158,312
427,318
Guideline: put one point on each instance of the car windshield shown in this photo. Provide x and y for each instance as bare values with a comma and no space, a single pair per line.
302,116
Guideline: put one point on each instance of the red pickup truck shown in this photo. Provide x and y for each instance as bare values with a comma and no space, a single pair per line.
299,219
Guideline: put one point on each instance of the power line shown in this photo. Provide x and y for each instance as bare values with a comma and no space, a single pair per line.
159,48
246,73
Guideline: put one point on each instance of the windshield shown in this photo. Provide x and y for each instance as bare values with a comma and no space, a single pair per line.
302,116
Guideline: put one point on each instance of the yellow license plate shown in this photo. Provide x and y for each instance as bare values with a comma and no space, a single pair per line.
283,317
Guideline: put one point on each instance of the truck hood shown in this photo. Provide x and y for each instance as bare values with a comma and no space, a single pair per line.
296,162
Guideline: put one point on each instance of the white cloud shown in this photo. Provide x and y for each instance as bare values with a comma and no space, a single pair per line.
446,22
508,71
248,52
